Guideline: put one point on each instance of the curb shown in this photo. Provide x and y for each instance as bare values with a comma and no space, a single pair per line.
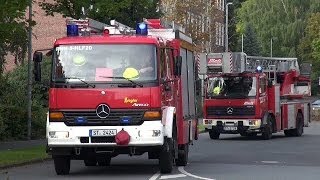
25,163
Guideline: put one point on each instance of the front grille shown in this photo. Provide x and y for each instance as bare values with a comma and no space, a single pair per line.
114,118
236,111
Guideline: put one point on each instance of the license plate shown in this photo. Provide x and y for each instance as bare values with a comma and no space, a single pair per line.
102,132
228,128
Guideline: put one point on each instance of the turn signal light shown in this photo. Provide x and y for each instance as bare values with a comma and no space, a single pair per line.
152,115
56,116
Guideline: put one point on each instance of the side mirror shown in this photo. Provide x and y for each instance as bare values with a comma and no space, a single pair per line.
177,65
37,59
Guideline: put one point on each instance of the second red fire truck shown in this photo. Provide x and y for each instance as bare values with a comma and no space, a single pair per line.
119,90
255,95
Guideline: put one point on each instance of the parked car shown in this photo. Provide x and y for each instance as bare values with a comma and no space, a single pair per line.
316,105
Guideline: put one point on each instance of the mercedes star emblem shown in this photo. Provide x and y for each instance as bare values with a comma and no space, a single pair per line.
230,110
103,111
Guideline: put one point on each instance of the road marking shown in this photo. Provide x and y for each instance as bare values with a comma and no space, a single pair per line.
270,162
173,176
155,176
181,169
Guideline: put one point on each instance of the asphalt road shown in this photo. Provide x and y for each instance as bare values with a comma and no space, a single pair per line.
230,158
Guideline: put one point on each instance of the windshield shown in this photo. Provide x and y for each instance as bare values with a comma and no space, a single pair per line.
231,87
99,63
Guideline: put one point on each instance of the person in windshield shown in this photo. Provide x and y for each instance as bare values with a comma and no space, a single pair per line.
144,67
216,86
81,67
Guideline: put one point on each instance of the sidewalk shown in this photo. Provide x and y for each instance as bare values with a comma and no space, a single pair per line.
8,145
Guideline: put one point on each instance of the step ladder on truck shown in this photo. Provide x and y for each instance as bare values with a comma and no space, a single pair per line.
250,95
104,102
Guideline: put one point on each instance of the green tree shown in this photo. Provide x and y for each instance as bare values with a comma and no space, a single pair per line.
251,45
233,20
125,11
282,20
13,30
13,104
309,48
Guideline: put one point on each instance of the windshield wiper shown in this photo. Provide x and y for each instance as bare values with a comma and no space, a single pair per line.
91,85
116,77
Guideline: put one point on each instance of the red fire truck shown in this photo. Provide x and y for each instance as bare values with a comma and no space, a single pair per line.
250,95
118,90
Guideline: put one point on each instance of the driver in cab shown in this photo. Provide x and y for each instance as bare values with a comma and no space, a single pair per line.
139,68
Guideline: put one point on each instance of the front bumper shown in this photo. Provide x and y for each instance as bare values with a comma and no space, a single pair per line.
233,126
78,136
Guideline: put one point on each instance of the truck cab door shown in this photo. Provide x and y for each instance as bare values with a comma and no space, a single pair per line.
166,77
263,96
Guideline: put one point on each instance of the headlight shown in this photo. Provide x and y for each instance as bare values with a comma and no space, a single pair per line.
255,122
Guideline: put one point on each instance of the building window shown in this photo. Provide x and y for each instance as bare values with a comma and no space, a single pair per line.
222,5
222,34
219,35
219,4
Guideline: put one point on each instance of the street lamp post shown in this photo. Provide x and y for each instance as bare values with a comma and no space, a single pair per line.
271,44
226,28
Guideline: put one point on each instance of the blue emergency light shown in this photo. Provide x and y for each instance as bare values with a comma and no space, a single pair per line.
80,120
259,69
142,29
72,30
126,119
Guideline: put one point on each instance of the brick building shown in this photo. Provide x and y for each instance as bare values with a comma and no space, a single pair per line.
203,19
47,29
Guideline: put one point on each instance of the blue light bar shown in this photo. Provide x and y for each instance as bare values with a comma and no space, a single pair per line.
72,30
259,69
142,29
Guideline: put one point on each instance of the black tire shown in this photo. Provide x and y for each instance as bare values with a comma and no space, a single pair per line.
267,130
166,157
62,165
104,161
90,162
299,130
183,155
288,133
214,134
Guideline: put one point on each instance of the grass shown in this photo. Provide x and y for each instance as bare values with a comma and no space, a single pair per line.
200,128
21,156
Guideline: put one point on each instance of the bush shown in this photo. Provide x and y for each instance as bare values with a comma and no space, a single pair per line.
14,101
